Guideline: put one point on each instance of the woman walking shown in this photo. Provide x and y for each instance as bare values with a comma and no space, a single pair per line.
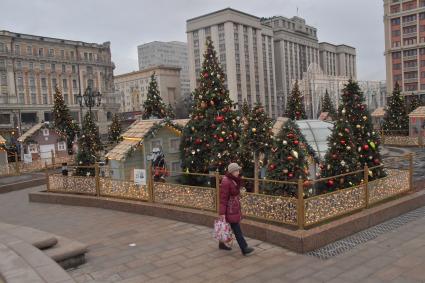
230,206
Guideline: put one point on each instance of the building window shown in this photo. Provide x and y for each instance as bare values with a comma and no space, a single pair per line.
4,119
40,52
33,98
54,83
51,52
63,68
73,69
17,49
31,65
74,84
175,168
64,84
29,50
156,144
32,148
174,144
53,67
72,54
42,66
395,21
62,54
61,146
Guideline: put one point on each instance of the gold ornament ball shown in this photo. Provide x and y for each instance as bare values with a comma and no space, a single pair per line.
254,130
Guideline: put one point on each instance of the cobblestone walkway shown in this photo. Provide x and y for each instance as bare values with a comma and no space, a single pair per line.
170,251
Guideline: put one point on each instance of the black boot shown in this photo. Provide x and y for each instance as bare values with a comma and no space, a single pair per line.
222,246
247,251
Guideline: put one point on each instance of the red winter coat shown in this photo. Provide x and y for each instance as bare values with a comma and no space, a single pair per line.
230,205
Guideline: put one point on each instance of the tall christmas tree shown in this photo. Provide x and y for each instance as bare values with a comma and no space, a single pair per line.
288,160
366,140
210,138
114,133
328,105
89,145
153,106
396,120
256,139
295,109
63,119
341,157
170,112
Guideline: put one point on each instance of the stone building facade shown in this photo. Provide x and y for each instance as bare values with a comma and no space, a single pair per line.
30,68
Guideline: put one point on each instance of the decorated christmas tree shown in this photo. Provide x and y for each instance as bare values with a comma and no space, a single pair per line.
63,120
89,145
396,120
413,104
256,138
341,157
245,110
154,107
295,109
210,138
170,112
328,105
288,160
114,133
366,140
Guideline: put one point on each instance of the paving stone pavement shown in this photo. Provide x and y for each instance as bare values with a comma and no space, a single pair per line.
170,251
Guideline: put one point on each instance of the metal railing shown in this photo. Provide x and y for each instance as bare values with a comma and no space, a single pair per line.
201,192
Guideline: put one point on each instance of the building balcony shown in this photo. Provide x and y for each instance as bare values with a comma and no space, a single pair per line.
410,34
411,80
411,23
407,58
410,69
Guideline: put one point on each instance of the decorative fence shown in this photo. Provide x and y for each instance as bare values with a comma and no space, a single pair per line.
401,138
19,167
301,210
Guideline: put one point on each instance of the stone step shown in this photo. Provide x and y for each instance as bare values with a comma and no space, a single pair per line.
21,262
37,238
67,253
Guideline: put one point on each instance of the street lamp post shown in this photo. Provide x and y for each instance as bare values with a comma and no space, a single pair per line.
90,98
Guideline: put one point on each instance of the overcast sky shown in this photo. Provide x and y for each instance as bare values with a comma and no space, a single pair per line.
128,23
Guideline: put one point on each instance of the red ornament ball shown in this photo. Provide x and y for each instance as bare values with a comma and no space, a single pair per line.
365,147
290,175
376,161
330,183
221,140
213,126
219,119
343,142
197,141
289,158
296,142
290,135
205,75
272,166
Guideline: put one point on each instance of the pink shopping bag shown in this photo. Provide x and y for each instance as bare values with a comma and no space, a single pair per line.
222,231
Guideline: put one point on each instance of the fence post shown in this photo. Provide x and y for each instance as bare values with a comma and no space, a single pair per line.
47,179
383,136
150,184
97,180
256,189
16,163
365,185
53,158
411,171
217,191
300,204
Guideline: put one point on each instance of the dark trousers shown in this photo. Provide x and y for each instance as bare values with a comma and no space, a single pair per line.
236,228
